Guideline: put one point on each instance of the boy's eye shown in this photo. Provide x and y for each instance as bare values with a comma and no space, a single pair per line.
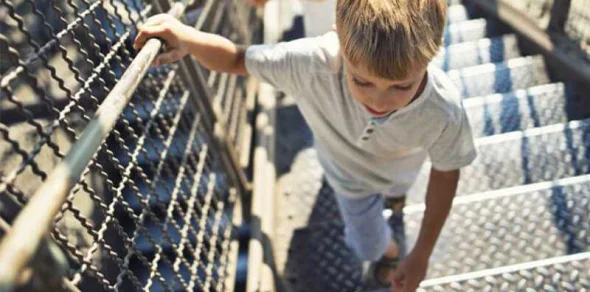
404,88
360,83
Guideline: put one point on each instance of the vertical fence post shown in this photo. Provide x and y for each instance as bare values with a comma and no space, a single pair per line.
559,14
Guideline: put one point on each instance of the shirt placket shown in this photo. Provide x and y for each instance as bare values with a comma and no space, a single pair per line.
367,134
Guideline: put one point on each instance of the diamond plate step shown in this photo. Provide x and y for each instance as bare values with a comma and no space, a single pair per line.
484,231
467,31
502,77
483,51
519,110
456,14
318,260
523,157
509,226
567,273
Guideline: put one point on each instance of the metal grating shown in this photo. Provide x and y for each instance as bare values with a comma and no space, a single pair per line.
524,224
570,273
154,208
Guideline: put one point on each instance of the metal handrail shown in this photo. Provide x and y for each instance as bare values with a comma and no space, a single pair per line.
36,219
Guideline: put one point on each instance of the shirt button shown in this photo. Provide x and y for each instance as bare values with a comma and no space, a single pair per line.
365,138
369,131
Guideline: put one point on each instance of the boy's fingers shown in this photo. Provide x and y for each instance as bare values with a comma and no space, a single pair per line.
146,33
398,279
168,57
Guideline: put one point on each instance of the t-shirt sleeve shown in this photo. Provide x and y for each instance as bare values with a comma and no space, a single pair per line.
455,147
281,65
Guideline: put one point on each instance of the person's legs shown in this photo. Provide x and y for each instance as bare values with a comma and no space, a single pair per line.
366,231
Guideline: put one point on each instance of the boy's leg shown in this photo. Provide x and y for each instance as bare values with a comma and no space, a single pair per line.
395,201
366,231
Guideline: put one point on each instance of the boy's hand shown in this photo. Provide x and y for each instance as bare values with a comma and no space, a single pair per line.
173,32
410,272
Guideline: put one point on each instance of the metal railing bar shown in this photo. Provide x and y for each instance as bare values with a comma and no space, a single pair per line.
15,252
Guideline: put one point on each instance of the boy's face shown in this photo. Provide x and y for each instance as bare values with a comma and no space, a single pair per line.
381,96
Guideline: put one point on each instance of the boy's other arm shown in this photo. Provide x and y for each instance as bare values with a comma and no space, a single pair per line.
439,198
214,52
441,190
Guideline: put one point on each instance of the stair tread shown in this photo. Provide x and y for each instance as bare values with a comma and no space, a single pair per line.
521,157
510,75
566,273
482,51
510,226
316,254
518,110
456,14
469,30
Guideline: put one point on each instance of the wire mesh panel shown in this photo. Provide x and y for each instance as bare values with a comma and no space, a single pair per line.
154,208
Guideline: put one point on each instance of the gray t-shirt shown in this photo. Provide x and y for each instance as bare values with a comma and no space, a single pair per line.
362,155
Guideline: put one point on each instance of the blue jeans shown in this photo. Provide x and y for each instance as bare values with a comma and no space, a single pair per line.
366,231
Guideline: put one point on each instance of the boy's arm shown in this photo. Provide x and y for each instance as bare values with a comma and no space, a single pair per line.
439,198
214,52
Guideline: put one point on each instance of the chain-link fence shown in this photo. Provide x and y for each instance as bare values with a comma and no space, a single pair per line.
157,203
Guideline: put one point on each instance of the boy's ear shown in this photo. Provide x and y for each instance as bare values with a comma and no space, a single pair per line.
334,27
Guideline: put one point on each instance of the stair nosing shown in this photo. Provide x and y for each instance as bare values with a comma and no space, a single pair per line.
473,21
480,42
491,67
498,97
505,269
504,192
531,132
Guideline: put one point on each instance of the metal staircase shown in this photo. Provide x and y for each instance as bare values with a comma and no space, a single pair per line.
520,221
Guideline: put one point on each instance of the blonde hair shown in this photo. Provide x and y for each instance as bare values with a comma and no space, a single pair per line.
391,38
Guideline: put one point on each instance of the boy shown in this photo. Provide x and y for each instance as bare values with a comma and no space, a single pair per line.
376,110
